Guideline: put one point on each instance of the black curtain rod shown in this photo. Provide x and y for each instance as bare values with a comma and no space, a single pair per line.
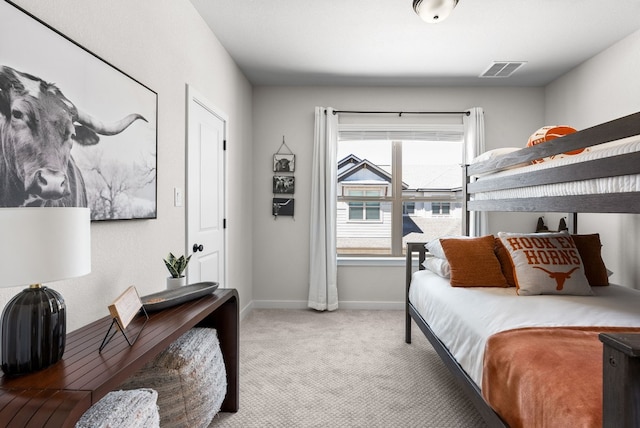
400,113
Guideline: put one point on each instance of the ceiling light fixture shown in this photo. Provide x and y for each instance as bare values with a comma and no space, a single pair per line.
433,11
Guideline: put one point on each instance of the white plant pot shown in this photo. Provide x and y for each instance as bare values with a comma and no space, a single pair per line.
176,282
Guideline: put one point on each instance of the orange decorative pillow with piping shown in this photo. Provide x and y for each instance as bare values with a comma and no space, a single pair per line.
473,262
589,247
548,133
546,263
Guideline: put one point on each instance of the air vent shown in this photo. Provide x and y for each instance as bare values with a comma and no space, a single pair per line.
502,69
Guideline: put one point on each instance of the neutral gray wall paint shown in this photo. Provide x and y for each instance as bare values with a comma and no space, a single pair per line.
165,45
604,88
281,250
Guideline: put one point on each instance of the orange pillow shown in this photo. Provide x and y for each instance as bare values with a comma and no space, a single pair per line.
548,133
546,263
589,248
506,265
473,262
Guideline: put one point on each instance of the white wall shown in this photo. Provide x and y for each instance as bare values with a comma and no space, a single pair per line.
281,253
164,44
603,88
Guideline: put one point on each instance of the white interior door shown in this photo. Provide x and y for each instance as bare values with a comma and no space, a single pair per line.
205,193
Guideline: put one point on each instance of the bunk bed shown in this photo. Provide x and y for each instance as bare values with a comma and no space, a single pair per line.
576,184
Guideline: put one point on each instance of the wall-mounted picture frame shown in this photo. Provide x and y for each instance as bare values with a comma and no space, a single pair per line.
284,184
284,163
109,121
282,207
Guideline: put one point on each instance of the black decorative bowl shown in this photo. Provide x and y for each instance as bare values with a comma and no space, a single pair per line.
168,298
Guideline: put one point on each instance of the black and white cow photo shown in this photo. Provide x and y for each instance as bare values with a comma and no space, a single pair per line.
38,128
74,131
284,184
284,163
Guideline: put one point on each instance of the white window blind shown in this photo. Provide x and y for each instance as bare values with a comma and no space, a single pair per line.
353,132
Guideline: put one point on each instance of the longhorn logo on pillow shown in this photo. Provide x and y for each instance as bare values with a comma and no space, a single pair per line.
546,263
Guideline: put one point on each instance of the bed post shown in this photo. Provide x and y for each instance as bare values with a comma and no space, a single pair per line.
465,200
621,380
408,268
412,247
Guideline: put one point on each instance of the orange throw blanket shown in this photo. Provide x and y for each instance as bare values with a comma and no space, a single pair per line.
546,377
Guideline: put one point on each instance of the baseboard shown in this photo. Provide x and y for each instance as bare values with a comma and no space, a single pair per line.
280,304
246,310
372,306
302,304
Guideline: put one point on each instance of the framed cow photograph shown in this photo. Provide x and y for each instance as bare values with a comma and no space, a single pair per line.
284,184
284,163
76,130
282,207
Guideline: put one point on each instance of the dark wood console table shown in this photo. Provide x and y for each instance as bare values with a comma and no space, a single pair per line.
58,395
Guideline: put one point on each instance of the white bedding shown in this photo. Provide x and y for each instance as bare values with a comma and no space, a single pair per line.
464,318
624,183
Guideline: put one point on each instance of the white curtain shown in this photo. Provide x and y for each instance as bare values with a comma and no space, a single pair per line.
323,264
473,146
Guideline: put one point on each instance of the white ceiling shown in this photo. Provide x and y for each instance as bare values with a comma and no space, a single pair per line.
383,42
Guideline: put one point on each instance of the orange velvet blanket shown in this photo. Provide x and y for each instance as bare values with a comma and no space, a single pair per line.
546,377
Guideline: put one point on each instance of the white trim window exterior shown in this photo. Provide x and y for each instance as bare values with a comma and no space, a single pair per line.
360,211
441,209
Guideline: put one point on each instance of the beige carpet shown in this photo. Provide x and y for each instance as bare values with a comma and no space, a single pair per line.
301,368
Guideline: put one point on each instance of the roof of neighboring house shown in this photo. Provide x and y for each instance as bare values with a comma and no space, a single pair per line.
415,177
352,168
422,177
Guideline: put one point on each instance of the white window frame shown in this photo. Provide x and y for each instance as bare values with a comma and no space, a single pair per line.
347,193
394,133
440,206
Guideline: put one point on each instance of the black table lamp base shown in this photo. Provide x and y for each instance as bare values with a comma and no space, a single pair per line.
34,327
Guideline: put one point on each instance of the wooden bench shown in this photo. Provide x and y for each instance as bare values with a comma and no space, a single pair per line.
59,395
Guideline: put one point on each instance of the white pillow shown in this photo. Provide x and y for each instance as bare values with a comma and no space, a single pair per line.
435,247
492,154
438,266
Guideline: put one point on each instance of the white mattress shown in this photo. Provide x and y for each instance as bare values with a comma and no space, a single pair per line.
624,183
464,318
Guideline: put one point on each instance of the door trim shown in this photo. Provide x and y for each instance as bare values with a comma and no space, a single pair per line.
193,95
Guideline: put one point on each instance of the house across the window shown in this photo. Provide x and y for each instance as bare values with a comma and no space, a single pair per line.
426,201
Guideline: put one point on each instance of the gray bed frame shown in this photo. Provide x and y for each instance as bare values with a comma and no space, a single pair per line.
621,352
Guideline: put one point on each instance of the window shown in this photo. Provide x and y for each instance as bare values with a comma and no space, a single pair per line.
440,208
408,208
364,211
395,190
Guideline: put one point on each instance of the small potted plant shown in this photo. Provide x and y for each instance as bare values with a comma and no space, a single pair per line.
176,267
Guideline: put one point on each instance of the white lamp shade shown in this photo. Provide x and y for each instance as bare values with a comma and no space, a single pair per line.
433,11
44,244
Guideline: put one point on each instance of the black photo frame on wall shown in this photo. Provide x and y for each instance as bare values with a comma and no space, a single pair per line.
284,184
282,207
284,162
103,121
